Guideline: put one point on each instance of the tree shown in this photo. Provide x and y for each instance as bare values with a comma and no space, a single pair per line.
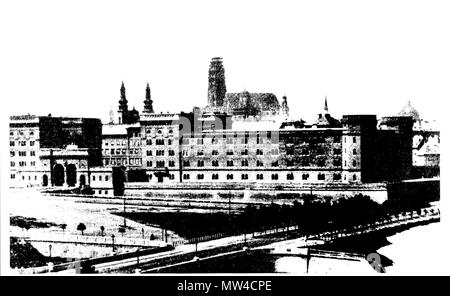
63,227
81,227
102,229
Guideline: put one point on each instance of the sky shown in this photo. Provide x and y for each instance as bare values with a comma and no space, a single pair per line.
368,57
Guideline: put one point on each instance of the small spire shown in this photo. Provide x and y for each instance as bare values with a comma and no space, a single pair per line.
326,106
148,103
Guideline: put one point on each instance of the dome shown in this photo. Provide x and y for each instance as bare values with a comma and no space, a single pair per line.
409,110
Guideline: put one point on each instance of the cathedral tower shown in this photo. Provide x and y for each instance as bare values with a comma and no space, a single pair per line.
216,83
123,105
148,103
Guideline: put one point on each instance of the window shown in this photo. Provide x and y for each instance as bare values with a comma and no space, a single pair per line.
33,163
186,163
230,152
23,143
200,163
12,153
354,139
200,152
200,177
305,176
275,163
171,163
215,176
354,151
100,178
337,177
31,143
337,162
149,152
171,153
244,152
259,152
186,176
229,140
245,162
159,141
149,163
112,151
321,162
215,152
305,162
337,151
321,177
11,143
259,177
230,177
149,141
354,177
169,142
354,162
259,163
13,163
244,177
159,152
22,153
215,163
229,163
93,177
13,176
160,164
274,176
290,176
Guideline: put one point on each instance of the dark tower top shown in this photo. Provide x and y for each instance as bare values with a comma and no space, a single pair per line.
216,83
148,103
284,106
123,103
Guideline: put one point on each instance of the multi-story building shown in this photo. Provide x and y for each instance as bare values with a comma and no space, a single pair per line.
53,151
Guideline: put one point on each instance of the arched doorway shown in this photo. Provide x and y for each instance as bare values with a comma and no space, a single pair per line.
82,180
44,180
71,175
58,175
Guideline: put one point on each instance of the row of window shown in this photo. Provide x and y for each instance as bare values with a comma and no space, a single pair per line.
100,178
230,152
160,163
159,132
226,140
23,163
21,143
123,161
22,153
13,176
122,151
289,177
21,133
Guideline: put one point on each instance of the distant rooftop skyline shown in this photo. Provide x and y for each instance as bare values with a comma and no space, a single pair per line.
70,60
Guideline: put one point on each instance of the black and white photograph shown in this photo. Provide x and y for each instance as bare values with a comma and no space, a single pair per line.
155,138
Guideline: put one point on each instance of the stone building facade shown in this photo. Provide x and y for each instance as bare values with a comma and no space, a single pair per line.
53,151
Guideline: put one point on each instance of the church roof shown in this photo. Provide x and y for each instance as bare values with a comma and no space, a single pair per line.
409,110
262,101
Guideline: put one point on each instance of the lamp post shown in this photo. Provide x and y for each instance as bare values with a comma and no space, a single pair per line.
112,237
